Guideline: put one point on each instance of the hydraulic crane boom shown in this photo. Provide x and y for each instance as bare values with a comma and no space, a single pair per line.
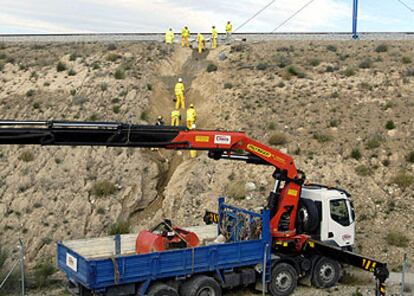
220,144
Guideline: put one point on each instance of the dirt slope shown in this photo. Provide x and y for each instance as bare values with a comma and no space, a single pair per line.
327,104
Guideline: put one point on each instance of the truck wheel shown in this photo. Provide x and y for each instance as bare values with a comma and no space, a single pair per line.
326,273
308,216
284,280
200,286
161,289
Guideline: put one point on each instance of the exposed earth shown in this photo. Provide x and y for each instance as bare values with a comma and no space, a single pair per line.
343,109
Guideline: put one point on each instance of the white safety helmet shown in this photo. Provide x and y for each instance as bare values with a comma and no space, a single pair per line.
180,80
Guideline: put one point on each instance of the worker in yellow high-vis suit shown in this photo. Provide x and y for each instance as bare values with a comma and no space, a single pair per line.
229,30
185,37
201,42
214,37
191,124
169,39
179,94
175,117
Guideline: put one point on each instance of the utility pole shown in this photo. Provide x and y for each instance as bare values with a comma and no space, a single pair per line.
21,259
355,20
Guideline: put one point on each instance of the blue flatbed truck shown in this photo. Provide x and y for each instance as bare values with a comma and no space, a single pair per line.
211,267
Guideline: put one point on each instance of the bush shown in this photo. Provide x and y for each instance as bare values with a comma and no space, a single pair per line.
406,60
282,61
390,125
322,138
104,86
144,115
101,211
410,157
366,64
211,68
293,70
236,190
381,48
397,239
73,56
332,48
26,156
103,188
60,67
356,154
403,180
119,74
349,71
363,171
277,139
71,72
36,105
1,66
262,66
228,85
111,46
3,256
93,117
333,122
116,109
112,57
315,62
121,227
42,272
149,86
30,93
3,56
374,142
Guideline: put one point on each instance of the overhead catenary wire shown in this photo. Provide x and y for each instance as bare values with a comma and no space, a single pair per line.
406,5
255,15
292,16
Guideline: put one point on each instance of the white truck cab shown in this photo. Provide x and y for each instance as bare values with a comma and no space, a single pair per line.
335,213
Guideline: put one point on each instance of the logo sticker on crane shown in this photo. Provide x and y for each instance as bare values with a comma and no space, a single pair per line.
259,150
202,139
222,139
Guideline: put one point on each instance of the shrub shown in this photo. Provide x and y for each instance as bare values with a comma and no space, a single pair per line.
121,227
93,117
103,188
272,126
322,138
149,86
277,138
96,65
315,62
397,239
333,122
119,74
282,61
116,109
409,73
3,56
356,154
403,180
60,67
26,156
101,211
410,157
73,56
262,66
111,46
228,85
30,93
406,60
104,86
381,48
363,171
71,72
3,256
366,64
36,105
112,57
1,66
390,125
332,48
211,68
374,142
293,70
42,271
144,115
236,190
349,71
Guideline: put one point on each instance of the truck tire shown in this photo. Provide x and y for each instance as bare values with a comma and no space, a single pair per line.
326,273
284,280
161,289
200,286
307,217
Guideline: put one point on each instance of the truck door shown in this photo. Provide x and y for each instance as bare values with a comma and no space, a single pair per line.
341,223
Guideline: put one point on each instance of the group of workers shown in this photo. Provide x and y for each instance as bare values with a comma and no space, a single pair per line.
201,40
180,104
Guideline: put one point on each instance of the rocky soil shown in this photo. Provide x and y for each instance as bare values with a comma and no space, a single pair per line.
328,103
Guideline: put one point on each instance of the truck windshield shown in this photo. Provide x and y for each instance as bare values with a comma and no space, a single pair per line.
339,212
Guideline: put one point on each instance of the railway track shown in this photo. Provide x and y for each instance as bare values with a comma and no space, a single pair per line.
110,37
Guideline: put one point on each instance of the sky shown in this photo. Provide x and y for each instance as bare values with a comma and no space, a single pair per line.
105,16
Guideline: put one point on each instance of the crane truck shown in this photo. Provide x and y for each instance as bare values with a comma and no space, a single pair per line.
303,230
